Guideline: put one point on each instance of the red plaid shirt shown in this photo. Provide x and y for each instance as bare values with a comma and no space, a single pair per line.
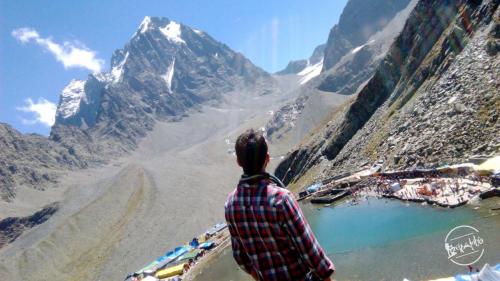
270,236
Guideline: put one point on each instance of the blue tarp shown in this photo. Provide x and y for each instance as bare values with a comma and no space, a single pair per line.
194,243
168,257
206,245
314,187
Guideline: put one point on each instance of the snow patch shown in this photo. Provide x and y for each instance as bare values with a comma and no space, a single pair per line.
199,32
103,77
169,75
117,71
357,49
71,97
145,24
173,32
310,72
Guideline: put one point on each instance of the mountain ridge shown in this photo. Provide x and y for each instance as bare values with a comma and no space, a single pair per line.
165,70
322,91
378,123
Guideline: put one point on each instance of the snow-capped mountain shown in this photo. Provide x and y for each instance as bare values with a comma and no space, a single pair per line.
71,97
165,69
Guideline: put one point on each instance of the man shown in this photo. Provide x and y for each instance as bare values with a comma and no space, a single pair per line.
270,236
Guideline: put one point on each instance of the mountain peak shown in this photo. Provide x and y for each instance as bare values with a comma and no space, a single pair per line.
71,97
145,24
165,69
169,28
173,32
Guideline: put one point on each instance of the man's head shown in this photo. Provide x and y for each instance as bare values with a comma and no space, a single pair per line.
251,152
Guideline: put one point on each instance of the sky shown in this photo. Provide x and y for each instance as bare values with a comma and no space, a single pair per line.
46,44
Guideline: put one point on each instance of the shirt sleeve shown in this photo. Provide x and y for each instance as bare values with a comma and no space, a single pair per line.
303,239
239,255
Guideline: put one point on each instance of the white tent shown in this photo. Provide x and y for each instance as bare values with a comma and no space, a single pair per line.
395,186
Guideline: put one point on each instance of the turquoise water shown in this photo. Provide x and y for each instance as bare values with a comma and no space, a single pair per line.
378,222
386,240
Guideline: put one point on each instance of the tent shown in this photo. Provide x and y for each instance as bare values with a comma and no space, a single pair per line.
216,228
395,186
171,271
166,259
206,245
201,238
314,187
191,255
147,267
171,256
488,166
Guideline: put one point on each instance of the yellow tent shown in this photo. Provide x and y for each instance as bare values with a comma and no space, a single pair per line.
201,238
489,165
170,271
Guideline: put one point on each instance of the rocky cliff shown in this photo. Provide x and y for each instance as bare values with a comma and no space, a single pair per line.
323,89
433,99
31,160
359,20
12,227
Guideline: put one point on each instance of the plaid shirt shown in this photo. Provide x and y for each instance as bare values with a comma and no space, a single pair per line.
270,236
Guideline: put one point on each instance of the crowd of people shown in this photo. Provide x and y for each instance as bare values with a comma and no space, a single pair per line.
444,189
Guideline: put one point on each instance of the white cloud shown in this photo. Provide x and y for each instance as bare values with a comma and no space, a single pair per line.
70,54
44,112
25,34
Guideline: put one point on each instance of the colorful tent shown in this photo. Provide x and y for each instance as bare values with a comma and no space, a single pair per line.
191,255
172,256
166,259
206,245
171,271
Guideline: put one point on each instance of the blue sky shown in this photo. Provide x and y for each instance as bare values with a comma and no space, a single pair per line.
33,72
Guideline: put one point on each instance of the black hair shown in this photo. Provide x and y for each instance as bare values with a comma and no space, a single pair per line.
251,151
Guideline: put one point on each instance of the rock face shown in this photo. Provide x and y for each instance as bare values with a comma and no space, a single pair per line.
432,100
12,227
320,88
31,160
359,20
164,70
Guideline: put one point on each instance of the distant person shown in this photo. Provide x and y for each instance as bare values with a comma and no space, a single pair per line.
270,237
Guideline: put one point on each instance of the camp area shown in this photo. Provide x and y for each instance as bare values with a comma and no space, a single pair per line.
446,186
176,263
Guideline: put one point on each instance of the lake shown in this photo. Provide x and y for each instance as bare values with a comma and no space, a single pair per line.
380,239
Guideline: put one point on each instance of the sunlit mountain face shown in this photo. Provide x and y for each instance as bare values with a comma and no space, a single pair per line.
141,156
